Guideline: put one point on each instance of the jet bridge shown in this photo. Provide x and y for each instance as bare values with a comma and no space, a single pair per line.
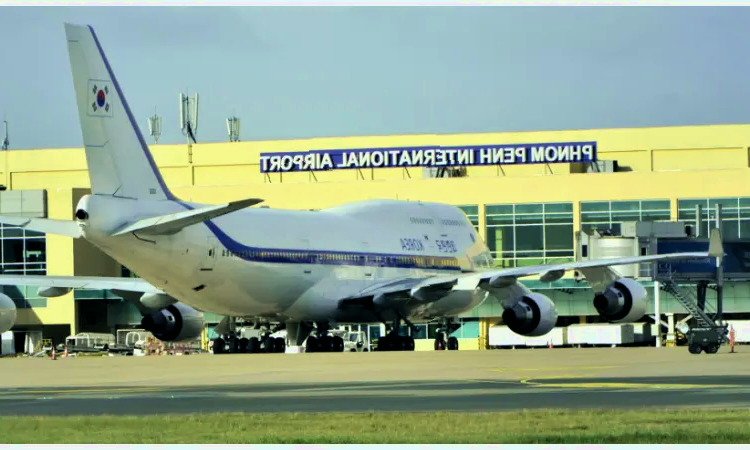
706,330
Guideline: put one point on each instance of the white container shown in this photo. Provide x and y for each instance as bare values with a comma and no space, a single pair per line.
7,343
557,336
741,330
601,334
643,332
502,336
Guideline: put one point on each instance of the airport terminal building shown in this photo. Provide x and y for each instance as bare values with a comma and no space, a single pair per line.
528,202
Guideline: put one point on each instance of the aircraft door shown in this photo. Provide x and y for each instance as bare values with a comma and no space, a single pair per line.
309,257
210,256
370,266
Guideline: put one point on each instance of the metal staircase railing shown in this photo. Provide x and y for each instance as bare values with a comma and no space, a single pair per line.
689,301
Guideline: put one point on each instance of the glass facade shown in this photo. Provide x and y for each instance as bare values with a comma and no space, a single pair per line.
24,252
529,234
610,214
735,212
472,212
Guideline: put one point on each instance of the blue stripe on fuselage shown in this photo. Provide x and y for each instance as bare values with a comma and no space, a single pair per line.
328,257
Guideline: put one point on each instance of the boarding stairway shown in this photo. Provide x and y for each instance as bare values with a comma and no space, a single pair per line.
708,335
690,302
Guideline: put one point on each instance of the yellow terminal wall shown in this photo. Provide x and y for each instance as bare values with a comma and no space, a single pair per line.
666,162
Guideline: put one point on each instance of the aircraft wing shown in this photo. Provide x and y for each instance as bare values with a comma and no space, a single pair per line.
598,273
108,283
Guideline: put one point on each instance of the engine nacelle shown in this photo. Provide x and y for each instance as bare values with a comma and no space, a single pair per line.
175,323
52,291
7,313
533,315
157,301
623,301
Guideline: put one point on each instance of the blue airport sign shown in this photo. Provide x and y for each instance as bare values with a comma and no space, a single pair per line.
436,156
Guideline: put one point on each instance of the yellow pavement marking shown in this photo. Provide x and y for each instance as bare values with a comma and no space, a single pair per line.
551,369
619,385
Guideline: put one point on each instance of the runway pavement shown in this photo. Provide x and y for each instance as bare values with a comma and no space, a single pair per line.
418,381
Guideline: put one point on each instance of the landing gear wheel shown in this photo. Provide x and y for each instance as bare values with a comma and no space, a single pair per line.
338,344
695,349
326,344
402,345
452,343
711,349
218,346
234,345
280,346
268,344
384,344
253,345
409,344
243,345
312,344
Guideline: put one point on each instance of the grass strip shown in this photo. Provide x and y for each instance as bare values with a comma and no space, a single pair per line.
648,426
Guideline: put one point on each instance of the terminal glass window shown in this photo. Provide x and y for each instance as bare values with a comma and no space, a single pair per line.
472,212
24,252
529,234
609,215
735,213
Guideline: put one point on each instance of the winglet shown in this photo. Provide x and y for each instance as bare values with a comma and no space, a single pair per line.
715,246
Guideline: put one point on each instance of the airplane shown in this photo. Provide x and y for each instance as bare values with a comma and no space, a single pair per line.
375,261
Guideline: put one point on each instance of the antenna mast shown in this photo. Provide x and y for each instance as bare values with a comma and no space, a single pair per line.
189,116
233,129
154,126
6,140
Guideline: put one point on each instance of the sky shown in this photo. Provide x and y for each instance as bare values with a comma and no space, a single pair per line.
299,72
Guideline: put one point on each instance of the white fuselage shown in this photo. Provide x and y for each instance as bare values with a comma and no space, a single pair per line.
294,265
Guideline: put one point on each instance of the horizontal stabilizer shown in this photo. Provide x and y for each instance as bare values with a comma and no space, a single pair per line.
75,282
48,226
172,223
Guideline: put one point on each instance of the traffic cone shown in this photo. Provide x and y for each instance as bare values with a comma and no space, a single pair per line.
731,340
550,344
54,355
65,355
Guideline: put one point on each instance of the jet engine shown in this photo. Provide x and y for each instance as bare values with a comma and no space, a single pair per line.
622,301
7,313
175,323
533,315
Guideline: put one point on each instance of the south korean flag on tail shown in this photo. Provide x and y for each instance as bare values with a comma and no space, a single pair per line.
100,98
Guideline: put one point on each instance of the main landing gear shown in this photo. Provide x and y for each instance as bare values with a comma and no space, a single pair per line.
393,341
230,343
446,326
323,342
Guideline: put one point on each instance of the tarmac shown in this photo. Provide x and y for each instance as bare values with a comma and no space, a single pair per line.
492,380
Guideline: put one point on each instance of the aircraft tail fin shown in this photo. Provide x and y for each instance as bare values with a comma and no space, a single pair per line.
119,161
